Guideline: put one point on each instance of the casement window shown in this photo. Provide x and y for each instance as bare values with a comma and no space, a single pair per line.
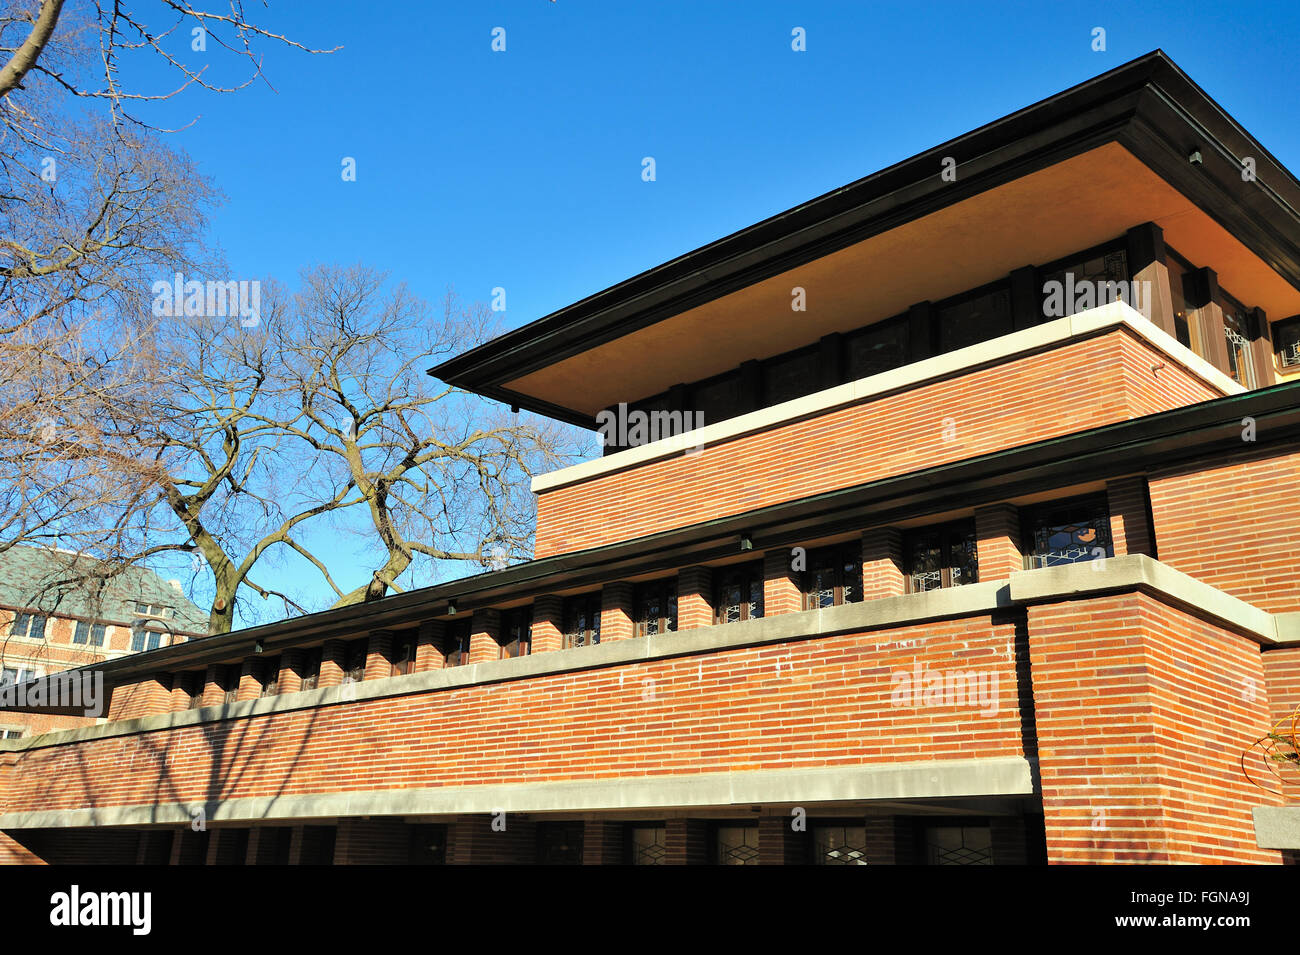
1067,532
559,843
791,375
456,643
958,845
270,677
879,348
229,682
29,625
582,621
516,633
654,607
1239,330
403,655
974,317
839,845
192,686
735,844
142,640
738,593
154,610
354,661
940,556
1087,281
1286,342
90,634
647,844
311,668
833,577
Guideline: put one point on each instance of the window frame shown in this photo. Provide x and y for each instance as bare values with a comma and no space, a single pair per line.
584,605
455,643
750,574
1032,517
951,534
838,556
516,633
665,589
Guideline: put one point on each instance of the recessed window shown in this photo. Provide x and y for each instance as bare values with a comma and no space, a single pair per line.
192,686
647,844
655,607
582,621
354,661
456,643
879,348
311,669
791,375
229,681
90,634
559,843
1240,334
1067,532
735,845
941,556
1286,342
840,845
958,845
1086,283
270,677
738,593
974,318
31,626
833,577
403,655
516,633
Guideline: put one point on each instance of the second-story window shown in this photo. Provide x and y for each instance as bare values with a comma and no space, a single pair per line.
192,685
516,633
142,640
942,556
1067,532
31,626
738,593
270,677
354,661
456,643
88,633
1239,330
1286,342
654,607
582,621
311,668
833,577
403,655
230,683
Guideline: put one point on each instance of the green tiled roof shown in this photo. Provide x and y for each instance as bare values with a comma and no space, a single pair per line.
62,584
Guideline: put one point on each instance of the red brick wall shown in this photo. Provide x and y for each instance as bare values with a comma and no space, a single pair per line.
1142,713
1232,523
1072,388
828,703
1282,678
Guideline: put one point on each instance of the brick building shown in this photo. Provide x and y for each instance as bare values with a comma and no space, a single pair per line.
966,562
60,610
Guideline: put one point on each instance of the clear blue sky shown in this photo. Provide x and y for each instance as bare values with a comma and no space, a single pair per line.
522,169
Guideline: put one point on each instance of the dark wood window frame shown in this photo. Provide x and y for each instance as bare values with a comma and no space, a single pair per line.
581,619
403,658
952,537
844,562
748,578
516,633
662,593
456,642
1037,519
311,661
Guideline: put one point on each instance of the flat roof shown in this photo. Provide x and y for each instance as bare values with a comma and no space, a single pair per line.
1066,173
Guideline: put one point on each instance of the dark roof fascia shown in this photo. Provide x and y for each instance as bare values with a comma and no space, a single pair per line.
1149,105
1212,428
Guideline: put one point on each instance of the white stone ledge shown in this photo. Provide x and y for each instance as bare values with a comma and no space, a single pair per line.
1051,334
941,778
1277,827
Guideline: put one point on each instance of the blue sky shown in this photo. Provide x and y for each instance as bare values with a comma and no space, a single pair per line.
522,169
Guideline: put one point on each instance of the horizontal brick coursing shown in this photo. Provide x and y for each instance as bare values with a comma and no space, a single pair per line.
1113,377
1232,523
1142,714
817,702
